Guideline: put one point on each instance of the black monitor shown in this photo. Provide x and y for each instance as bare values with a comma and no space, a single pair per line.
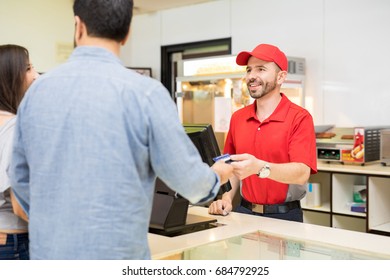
203,137
169,211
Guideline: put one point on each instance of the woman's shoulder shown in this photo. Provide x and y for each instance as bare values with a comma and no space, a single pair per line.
7,124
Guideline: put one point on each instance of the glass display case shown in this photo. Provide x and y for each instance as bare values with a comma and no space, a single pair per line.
240,236
263,246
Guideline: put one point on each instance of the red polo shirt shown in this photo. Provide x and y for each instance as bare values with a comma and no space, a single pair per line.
286,136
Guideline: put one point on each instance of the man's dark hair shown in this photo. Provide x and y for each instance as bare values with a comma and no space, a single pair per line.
105,18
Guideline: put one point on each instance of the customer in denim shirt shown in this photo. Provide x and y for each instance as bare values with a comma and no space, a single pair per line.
91,137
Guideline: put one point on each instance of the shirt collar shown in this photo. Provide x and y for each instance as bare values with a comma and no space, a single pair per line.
93,52
279,114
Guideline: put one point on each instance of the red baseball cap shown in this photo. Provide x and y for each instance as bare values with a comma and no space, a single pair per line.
264,52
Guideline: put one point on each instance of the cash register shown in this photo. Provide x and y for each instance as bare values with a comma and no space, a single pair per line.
170,210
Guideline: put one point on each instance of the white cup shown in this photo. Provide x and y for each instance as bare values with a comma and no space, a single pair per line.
313,195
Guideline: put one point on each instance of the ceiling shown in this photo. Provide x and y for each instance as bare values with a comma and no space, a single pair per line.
150,6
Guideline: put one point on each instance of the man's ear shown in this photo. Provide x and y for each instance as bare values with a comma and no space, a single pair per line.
282,75
123,42
79,30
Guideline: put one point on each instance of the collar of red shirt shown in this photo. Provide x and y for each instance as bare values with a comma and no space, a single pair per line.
279,114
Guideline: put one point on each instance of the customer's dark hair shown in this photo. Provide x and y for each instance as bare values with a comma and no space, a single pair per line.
105,18
14,62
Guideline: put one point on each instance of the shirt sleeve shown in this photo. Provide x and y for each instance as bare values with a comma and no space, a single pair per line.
174,157
303,142
19,170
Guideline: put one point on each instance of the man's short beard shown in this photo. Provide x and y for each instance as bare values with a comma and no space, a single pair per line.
269,87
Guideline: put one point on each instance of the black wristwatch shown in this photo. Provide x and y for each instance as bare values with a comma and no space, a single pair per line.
265,171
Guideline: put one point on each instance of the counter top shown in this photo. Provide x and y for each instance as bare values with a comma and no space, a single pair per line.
236,224
371,168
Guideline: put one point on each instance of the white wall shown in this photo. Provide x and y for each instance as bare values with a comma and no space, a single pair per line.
296,27
356,62
345,43
143,46
39,25
206,21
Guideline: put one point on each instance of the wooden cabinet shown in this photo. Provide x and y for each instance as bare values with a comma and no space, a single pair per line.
337,184
379,205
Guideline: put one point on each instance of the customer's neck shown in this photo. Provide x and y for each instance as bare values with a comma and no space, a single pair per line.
107,44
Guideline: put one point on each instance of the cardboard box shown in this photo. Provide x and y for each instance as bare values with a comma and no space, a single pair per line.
358,207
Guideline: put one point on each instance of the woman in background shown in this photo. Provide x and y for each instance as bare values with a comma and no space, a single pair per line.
16,75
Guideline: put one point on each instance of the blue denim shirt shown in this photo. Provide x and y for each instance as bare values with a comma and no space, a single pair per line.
90,139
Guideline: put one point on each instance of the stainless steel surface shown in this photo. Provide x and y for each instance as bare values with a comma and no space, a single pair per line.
337,139
361,146
385,147
323,128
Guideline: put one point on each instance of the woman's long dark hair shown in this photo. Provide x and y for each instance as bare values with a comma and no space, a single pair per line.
14,62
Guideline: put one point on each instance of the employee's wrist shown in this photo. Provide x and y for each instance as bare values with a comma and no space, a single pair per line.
264,171
260,164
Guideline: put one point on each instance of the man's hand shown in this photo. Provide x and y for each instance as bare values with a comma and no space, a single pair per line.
245,165
220,207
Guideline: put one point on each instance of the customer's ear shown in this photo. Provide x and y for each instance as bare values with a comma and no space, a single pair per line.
123,42
80,30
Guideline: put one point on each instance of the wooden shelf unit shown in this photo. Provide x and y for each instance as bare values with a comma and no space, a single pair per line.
337,182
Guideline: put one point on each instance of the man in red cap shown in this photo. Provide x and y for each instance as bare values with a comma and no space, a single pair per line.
271,142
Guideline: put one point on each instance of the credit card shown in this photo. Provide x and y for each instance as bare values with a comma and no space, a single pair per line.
225,157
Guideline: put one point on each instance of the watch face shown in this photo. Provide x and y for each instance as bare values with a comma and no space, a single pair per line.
265,171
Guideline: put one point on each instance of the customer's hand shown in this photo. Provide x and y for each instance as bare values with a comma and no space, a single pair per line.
224,170
220,207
